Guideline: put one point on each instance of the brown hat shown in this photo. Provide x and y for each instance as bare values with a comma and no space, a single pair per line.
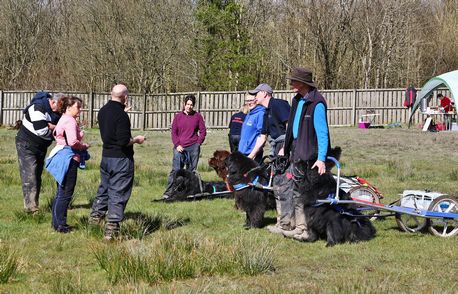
303,75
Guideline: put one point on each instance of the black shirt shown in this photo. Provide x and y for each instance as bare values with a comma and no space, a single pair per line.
114,124
235,126
276,117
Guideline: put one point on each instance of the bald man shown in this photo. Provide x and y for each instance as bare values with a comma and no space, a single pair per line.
117,165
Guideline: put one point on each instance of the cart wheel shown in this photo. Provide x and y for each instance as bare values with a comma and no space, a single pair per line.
444,227
410,223
366,194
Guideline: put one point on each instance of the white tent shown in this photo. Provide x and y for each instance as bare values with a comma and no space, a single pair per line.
449,79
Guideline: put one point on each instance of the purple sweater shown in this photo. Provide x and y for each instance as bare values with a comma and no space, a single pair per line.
188,129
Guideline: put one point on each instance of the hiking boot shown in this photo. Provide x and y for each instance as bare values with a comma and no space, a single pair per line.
275,229
95,221
32,211
291,233
305,236
111,231
64,229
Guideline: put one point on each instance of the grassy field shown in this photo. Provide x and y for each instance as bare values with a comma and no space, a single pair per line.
200,246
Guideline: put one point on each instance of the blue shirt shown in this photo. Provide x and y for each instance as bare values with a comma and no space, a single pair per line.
319,122
251,129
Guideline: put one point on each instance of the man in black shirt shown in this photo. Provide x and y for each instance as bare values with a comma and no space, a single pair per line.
117,165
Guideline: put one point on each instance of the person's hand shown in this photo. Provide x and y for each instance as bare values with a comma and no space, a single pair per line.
281,152
51,126
139,139
180,148
87,145
320,165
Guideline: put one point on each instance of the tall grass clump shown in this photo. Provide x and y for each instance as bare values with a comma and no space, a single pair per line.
38,217
139,225
67,283
8,264
173,256
254,258
122,265
453,174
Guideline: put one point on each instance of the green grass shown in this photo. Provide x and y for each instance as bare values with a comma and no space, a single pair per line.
201,247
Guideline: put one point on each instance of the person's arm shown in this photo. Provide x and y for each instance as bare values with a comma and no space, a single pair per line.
260,141
136,140
262,137
39,122
174,131
123,134
202,130
322,133
71,130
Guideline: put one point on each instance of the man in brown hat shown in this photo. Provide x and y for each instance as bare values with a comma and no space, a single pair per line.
307,143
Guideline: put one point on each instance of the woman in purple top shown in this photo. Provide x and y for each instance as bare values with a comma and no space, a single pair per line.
188,133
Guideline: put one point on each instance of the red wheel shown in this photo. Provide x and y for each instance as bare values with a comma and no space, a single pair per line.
368,195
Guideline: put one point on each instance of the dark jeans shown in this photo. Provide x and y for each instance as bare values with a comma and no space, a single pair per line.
64,196
31,162
234,142
188,159
116,181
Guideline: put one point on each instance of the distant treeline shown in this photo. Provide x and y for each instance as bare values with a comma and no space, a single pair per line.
157,46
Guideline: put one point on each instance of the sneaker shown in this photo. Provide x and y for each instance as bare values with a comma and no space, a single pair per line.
291,233
165,196
111,231
82,166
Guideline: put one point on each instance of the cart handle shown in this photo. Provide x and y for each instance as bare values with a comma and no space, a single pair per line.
338,175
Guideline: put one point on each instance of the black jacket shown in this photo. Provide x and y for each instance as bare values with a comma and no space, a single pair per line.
306,145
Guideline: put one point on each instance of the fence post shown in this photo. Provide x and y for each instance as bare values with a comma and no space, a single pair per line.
353,108
144,112
91,109
1,107
199,103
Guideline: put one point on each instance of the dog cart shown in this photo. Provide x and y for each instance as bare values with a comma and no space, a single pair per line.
418,210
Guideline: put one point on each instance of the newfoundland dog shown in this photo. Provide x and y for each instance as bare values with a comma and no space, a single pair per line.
335,223
247,179
187,183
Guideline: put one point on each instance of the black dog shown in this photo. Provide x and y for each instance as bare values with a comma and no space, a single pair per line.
242,174
335,223
187,183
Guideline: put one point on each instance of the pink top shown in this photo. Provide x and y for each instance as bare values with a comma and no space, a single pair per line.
67,127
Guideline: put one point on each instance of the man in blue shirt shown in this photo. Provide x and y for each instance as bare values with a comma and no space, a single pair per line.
276,118
307,141
251,138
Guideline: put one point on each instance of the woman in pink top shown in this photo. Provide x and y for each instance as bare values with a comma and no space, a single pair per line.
67,133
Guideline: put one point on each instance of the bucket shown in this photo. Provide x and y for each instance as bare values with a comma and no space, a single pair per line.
364,125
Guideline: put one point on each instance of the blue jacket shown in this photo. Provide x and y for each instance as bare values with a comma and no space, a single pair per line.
251,129
58,164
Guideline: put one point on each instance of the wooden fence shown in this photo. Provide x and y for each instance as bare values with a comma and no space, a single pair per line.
156,111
